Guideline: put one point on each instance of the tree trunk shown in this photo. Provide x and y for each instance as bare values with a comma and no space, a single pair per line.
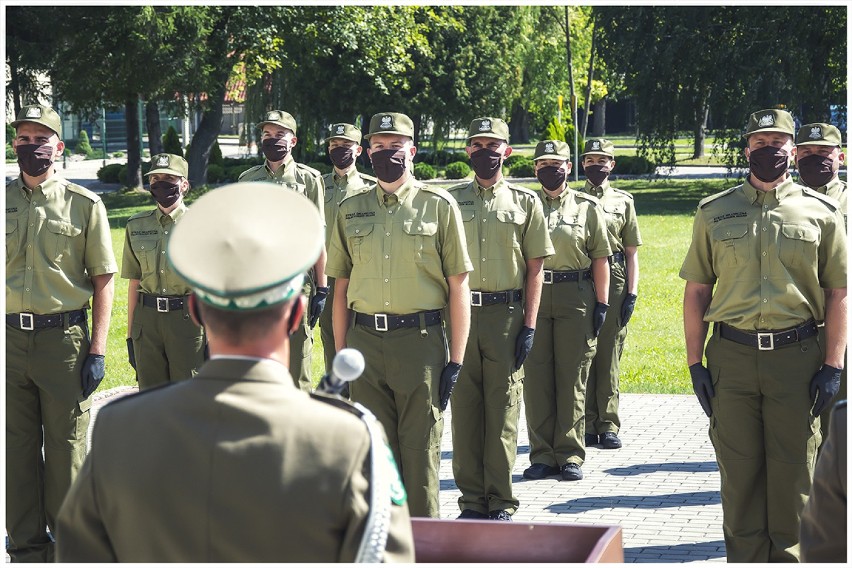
591,77
134,154
519,125
700,130
204,138
14,84
571,84
599,119
155,134
417,122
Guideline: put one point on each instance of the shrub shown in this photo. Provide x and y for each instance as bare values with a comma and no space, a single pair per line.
10,133
457,170
83,146
109,173
524,167
322,167
555,130
216,155
118,154
424,171
171,142
569,138
215,173
232,173
633,165
10,153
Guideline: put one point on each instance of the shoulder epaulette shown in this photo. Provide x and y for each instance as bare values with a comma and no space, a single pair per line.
443,193
830,201
307,168
368,179
622,192
142,215
80,190
352,194
523,189
716,196
250,170
588,197
459,186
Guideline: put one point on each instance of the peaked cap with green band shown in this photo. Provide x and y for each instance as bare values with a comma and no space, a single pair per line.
391,123
488,127
818,133
600,146
279,118
552,150
344,130
247,246
168,164
770,120
40,114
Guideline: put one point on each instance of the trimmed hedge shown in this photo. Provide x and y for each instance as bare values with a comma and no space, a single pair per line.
109,173
424,171
523,167
457,170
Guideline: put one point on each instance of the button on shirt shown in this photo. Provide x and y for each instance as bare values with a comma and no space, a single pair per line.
576,224
621,223
397,250
769,255
504,226
57,238
144,259
336,188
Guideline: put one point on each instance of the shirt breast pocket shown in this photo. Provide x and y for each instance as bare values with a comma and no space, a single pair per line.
732,244
798,245
615,213
510,226
13,237
422,243
61,235
146,252
360,241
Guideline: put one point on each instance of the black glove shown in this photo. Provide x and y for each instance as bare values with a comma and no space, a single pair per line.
523,346
131,355
627,307
824,387
449,376
702,384
92,374
599,317
317,305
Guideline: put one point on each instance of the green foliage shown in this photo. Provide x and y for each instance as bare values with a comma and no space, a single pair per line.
110,173
171,142
10,133
122,173
216,173
441,157
216,155
83,146
457,170
10,153
569,138
555,131
424,171
523,167
232,173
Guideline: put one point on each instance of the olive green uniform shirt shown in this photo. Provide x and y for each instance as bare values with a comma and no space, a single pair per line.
621,223
293,175
339,187
836,189
144,257
504,226
57,239
576,225
398,249
768,253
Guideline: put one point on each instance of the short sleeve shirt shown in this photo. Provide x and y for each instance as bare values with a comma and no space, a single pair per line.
836,189
576,225
621,223
398,249
769,254
504,227
145,241
336,188
292,175
57,238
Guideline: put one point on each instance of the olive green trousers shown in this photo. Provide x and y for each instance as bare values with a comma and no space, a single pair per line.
168,346
301,346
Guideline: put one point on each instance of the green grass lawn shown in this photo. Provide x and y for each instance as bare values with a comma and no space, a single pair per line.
654,360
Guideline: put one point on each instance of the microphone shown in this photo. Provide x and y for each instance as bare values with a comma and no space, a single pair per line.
347,366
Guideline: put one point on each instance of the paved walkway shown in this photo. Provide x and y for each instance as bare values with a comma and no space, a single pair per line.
662,487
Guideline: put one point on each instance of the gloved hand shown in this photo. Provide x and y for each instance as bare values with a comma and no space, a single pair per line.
824,387
523,346
92,374
702,384
131,355
317,305
627,307
449,376
599,317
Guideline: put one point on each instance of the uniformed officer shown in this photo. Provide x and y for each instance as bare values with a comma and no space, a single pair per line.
344,147
507,239
278,138
237,465
823,531
819,156
602,392
163,343
574,302
398,257
767,265
58,257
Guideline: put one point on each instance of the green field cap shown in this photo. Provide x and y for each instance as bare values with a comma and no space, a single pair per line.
345,131
552,150
391,123
818,133
490,127
280,118
247,246
40,114
600,146
770,120
168,164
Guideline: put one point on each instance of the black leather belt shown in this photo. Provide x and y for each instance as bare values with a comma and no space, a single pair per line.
387,322
557,276
163,303
478,298
616,257
768,340
29,322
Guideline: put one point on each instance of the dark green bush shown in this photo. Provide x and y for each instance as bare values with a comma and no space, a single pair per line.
171,142
556,130
524,167
10,133
10,153
215,173
216,155
232,173
83,146
109,173
322,167
424,171
122,173
457,170
633,165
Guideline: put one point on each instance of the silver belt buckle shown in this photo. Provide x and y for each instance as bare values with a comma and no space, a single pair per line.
381,321
761,337
24,326
475,298
162,304
548,277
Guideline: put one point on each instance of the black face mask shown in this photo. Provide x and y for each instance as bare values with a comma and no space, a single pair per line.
342,157
275,149
551,177
486,163
165,193
389,165
815,170
597,174
34,159
768,163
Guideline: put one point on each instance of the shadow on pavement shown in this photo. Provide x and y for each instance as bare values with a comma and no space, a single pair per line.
695,498
640,469
694,551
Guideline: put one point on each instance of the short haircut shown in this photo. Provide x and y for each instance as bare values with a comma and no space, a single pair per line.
241,327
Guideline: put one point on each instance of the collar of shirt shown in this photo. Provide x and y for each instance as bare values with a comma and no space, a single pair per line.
597,190
49,187
399,196
835,182
780,191
288,161
500,185
345,178
555,202
173,216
